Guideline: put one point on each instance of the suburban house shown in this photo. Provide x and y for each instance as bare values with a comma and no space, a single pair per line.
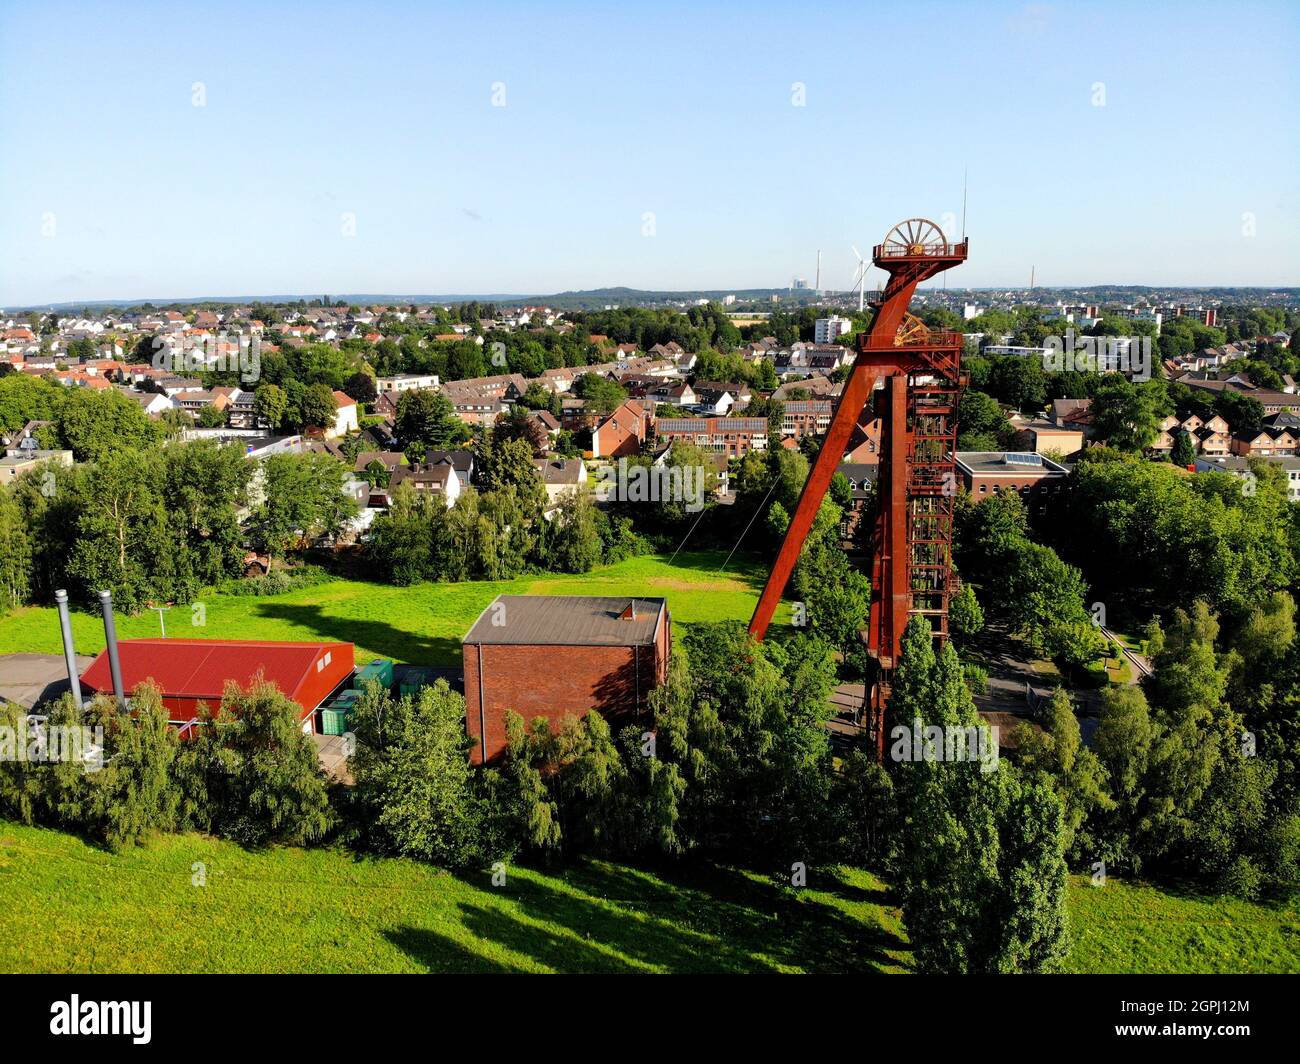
1264,443
477,411
717,399
1072,412
560,475
1209,436
559,380
345,417
659,389
623,432
428,478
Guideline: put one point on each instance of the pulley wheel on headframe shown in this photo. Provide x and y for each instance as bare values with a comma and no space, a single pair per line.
916,236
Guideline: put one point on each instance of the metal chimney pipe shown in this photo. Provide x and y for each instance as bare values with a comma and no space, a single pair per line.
110,635
69,651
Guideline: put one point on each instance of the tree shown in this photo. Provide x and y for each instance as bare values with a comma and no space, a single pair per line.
16,554
981,420
429,417
508,465
93,423
361,387
743,723
401,538
965,617
602,395
251,774
518,425
416,793
1127,415
569,541
133,795
1065,764
317,407
1183,453
205,486
303,499
980,868
118,528
271,404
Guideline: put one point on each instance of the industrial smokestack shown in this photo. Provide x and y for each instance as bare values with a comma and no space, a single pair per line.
69,651
110,636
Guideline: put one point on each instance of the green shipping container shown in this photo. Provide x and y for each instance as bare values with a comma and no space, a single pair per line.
380,669
334,721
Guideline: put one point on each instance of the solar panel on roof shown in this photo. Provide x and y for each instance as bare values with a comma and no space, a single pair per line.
1014,458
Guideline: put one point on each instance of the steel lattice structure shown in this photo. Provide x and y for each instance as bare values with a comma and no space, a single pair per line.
914,374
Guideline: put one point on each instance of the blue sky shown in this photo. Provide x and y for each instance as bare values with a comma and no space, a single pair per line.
116,186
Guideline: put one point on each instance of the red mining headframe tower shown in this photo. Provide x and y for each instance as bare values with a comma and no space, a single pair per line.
919,370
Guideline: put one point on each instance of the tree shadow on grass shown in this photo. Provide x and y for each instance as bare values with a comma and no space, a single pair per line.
701,919
438,953
385,639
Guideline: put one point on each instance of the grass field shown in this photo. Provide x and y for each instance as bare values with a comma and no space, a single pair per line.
71,907
422,624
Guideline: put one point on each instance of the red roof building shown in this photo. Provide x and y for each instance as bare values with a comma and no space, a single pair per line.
190,671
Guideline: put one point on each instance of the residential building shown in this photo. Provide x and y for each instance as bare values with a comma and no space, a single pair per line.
406,382
828,330
806,417
20,460
1045,435
428,478
732,436
560,475
345,417
1264,443
623,433
1240,467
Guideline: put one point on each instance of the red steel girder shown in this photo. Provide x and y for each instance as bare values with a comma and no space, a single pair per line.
878,356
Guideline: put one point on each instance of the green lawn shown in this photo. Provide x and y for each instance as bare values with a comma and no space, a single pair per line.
1137,927
422,624
71,907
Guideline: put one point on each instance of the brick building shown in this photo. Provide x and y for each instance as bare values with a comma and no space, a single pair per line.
986,473
806,417
623,432
555,656
733,436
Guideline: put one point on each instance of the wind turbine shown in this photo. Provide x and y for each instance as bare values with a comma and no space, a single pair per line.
860,278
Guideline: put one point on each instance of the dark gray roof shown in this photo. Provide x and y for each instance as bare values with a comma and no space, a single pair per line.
566,620
1008,462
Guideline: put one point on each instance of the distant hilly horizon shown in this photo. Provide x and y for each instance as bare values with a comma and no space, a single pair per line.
575,299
